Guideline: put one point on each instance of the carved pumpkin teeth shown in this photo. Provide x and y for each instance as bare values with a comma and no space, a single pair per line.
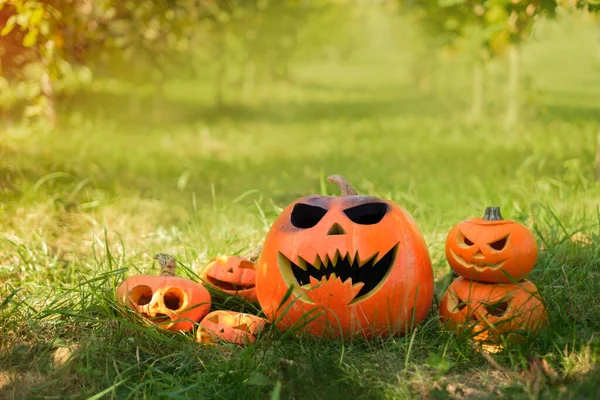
369,261
369,273
317,263
302,263
477,267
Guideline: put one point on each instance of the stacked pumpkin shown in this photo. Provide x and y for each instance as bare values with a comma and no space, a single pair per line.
491,297
177,303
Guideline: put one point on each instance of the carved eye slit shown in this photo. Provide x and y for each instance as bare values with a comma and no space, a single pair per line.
463,241
305,216
497,309
500,244
367,214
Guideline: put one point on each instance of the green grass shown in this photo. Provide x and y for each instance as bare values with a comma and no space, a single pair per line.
92,203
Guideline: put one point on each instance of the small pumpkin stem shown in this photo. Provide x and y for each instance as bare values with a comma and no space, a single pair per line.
254,253
167,264
492,214
345,186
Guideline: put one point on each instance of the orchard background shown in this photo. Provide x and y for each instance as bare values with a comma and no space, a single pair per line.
130,128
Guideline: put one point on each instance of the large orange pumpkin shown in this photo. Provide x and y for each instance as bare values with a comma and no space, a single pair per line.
172,302
491,249
489,310
230,326
232,275
347,265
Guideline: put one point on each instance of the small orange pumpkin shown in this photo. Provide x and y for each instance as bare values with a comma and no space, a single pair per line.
232,275
489,310
349,265
491,249
166,297
230,326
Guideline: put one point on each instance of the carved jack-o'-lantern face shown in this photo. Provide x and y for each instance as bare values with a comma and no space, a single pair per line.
230,326
490,310
174,303
232,275
359,262
491,249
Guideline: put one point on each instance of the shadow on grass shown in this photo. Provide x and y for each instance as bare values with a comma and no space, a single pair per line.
143,112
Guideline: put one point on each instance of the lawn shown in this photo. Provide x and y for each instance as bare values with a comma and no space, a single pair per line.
87,205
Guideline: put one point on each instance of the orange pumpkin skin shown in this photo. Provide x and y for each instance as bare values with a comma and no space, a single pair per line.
316,233
164,298
495,250
491,310
232,275
230,326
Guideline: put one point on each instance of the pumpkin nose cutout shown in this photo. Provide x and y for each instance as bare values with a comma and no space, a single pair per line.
478,256
336,229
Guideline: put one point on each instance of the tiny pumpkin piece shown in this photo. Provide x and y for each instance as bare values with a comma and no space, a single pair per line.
171,302
232,275
490,310
491,249
229,326
343,266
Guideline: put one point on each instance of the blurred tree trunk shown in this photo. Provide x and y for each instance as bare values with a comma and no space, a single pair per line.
159,95
598,156
514,78
221,56
477,100
47,93
248,81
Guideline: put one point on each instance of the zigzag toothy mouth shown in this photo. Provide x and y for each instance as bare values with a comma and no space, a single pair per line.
369,272
479,267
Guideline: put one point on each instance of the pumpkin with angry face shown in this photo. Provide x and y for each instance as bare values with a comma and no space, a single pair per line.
489,310
345,265
491,249
232,275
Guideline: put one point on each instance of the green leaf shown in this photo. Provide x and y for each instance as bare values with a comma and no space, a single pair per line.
441,364
258,379
10,24
30,38
450,3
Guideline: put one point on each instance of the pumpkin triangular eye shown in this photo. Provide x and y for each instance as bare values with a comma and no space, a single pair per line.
367,214
500,244
214,319
242,327
463,240
305,216
497,309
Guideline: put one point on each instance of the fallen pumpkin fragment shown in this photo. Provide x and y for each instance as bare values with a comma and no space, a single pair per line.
229,326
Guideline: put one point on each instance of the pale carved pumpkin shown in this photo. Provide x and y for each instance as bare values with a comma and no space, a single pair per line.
229,326
171,302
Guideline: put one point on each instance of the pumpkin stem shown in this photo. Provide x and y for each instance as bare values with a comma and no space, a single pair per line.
492,214
254,253
167,264
345,186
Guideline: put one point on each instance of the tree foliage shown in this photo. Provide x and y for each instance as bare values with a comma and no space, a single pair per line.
490,26
50,48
